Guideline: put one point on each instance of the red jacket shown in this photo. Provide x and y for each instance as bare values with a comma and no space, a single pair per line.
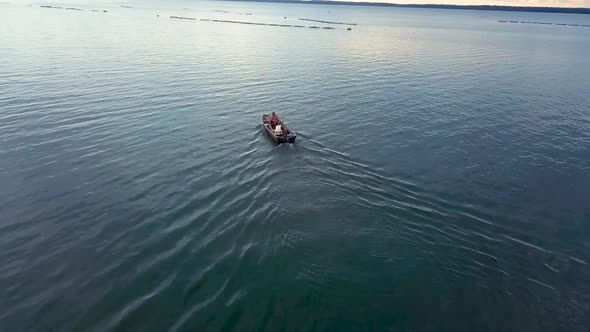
274,120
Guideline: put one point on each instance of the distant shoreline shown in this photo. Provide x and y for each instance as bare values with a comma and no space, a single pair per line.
562,10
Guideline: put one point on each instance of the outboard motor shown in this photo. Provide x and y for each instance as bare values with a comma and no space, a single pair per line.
289,135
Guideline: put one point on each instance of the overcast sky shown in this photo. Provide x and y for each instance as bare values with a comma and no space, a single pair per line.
530,3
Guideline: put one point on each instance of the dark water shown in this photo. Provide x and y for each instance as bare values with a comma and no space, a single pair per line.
440,181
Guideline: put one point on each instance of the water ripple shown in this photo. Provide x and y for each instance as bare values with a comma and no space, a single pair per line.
427,175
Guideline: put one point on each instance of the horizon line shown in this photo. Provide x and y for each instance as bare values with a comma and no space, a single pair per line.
500,7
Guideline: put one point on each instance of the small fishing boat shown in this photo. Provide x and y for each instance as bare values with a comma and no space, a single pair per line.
281,133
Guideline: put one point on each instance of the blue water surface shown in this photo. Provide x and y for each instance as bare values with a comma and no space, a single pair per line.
440,180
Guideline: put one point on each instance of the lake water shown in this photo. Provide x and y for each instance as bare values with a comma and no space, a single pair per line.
440,180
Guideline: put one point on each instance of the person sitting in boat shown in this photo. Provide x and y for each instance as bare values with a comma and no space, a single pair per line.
274,120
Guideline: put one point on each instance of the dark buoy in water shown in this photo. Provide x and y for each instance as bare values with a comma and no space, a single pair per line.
158,15
349,29
285,17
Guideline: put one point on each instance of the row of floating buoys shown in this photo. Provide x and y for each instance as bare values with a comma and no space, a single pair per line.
545,23
70,8
227,21
182,18
267,24
252,23
327,22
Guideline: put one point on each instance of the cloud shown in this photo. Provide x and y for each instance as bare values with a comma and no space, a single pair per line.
529,3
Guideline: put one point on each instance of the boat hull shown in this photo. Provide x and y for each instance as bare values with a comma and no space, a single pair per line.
288,136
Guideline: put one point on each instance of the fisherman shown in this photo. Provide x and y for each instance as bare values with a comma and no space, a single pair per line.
274,120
